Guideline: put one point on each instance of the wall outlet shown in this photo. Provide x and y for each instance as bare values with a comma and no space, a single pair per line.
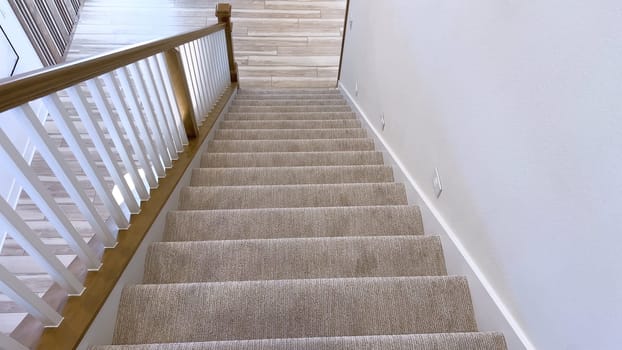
356,88
382,122
438,186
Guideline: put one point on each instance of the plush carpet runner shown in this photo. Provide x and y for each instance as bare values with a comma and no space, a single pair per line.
294,235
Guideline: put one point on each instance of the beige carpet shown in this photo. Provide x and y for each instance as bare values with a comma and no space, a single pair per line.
294,235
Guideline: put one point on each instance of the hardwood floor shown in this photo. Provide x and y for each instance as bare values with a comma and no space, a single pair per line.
293,43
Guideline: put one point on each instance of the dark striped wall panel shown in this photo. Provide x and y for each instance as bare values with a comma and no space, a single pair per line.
48,24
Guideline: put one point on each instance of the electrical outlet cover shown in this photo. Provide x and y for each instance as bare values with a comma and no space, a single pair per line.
382,121
438,185
356,88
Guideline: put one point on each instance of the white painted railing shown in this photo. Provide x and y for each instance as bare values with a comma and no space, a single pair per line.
123,126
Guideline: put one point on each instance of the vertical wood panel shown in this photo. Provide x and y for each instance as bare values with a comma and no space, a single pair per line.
49,25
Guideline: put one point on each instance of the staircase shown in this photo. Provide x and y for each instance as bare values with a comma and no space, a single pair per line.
294,235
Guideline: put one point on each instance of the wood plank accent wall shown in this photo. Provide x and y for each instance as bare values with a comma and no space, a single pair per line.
278,43
49,25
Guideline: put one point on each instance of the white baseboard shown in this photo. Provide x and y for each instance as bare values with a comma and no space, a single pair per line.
102,328
490,311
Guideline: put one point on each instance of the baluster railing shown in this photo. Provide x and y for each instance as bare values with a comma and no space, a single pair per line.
118,125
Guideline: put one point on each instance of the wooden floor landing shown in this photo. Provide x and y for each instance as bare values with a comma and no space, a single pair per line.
293,43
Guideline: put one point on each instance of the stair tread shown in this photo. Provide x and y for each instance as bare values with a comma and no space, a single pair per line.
326,96
306,91
262,259
289,102
326,145
290,124
291,159
289,134
291,175
277,109
157,313
283,196
304,115
445,341
192,225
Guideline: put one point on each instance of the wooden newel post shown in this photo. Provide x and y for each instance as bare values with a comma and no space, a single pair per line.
223,12
182,93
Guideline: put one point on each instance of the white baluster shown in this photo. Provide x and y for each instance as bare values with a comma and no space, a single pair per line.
197,74
187,61
159,115
101,145
202,73
121,215
28,240
17,291
225,70
217,53
215,57
209,69
171,99
8,343
157,168
98,93
133,71
29,181
45,146
132,134
167,110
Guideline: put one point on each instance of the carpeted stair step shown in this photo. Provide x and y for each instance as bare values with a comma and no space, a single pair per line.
302,91
279,159
326,145
288,102
203,225
291,175
326,96
291,124
193,312
292,196
289,134
438,341
290,116
262,259
281,109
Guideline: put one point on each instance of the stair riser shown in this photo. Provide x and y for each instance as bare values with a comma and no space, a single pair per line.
289,134
288,109
292,223
291,176
237,160
314,124
444,341
289,102
299,196
291,145
289,97
290,116
254,260
244,92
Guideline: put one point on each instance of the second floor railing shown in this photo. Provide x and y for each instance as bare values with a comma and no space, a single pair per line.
107,129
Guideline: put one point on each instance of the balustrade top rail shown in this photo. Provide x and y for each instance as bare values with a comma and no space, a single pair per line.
30,86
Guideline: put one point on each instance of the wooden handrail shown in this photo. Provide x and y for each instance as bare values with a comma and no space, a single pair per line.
30,86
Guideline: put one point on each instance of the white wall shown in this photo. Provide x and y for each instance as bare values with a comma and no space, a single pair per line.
519,105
